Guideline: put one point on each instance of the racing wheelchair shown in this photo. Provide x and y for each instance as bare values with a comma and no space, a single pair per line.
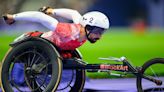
47,68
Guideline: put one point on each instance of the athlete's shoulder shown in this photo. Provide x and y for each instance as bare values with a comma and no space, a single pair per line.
63,29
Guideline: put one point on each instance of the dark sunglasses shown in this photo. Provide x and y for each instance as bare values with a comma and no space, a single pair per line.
95,30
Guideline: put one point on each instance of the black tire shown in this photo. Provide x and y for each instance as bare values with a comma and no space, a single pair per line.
151,68
79,81
39,59
72,80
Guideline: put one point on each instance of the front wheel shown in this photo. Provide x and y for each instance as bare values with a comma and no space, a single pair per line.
153,69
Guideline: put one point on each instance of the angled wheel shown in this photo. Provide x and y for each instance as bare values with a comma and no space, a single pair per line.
39,63
72,80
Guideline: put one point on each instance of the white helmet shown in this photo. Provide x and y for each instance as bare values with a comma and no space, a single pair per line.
95,18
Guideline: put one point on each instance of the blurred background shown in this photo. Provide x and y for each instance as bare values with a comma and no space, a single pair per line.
136,27
121,13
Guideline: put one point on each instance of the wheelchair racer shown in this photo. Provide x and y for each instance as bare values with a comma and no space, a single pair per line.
66,36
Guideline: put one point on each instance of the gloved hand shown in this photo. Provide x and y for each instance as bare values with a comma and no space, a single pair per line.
8,18
45,10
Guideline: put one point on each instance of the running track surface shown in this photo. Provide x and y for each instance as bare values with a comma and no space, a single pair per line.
110,85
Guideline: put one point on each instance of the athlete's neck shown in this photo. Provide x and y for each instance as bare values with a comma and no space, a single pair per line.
82,34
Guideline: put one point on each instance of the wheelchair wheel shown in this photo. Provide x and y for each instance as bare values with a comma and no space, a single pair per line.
71,81
153,68
40,64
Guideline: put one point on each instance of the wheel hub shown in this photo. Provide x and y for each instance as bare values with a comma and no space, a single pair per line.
29,72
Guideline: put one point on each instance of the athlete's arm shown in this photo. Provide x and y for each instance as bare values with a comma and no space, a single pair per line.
39,17
69,14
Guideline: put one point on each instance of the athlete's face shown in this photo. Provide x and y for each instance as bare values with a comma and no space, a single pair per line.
93,37
95,34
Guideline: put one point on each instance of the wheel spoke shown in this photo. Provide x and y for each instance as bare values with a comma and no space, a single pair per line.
36,61
155,75
33,84
33,59
40,80
28,62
